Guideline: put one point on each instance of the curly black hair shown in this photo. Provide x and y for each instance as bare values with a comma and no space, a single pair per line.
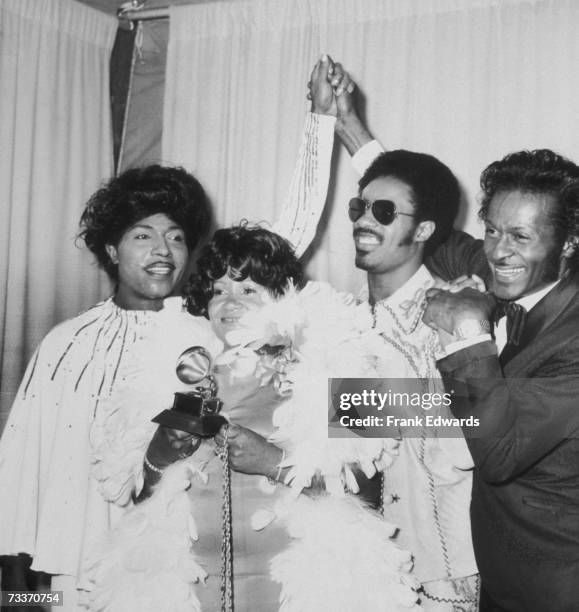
435,190
539,172
243,251
138,193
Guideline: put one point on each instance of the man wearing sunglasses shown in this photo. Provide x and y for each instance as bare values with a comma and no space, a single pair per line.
521,382
405,208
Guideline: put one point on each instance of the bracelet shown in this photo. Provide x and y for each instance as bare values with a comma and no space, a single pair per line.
472,328
274,481
152,467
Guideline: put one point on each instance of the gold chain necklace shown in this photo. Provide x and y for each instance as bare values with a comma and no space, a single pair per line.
226,531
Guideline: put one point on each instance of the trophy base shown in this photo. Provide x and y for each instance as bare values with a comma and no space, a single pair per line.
193,414
204,427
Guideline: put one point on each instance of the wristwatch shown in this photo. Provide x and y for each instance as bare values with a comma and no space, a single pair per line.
471,328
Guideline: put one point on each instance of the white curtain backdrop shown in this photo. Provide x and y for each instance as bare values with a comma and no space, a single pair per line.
465,80
55,149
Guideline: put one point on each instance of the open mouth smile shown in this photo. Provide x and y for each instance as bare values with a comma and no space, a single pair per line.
365,239
507,274
160,269
230,320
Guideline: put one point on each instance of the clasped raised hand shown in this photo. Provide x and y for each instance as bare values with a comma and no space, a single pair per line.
330,88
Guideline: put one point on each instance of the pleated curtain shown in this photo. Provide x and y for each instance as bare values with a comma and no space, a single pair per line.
465,80
55,149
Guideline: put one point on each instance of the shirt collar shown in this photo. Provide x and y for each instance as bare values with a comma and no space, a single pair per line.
406,303
530,301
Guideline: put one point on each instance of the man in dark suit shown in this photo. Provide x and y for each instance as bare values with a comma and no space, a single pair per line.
519,376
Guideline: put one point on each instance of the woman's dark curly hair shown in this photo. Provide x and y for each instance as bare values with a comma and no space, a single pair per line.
140,193
539,172
243,251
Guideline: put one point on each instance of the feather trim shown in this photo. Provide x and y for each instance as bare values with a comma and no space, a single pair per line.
341,558
332,337
121,429
120,438
146,562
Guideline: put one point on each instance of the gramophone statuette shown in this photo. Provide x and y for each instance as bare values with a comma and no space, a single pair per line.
196,411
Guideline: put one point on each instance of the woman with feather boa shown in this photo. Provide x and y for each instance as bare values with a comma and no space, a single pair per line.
299,541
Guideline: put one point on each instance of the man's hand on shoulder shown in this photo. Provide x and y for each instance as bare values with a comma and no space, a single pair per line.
458,316
462,282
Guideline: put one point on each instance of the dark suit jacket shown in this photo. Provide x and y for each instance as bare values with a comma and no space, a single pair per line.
525,501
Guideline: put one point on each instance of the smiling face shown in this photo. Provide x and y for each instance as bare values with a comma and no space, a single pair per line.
394,251
231,300
520,244
151,256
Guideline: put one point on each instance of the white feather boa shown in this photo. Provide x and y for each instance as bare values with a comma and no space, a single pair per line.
146,562
341,557
334,339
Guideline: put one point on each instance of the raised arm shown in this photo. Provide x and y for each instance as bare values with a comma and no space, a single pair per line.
308,191
350,129
303,206
304,203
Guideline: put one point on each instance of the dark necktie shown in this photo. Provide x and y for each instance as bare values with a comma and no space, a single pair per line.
516,319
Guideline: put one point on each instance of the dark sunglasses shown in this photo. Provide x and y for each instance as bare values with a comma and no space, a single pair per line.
384,211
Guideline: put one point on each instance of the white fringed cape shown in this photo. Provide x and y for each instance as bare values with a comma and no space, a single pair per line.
341,556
